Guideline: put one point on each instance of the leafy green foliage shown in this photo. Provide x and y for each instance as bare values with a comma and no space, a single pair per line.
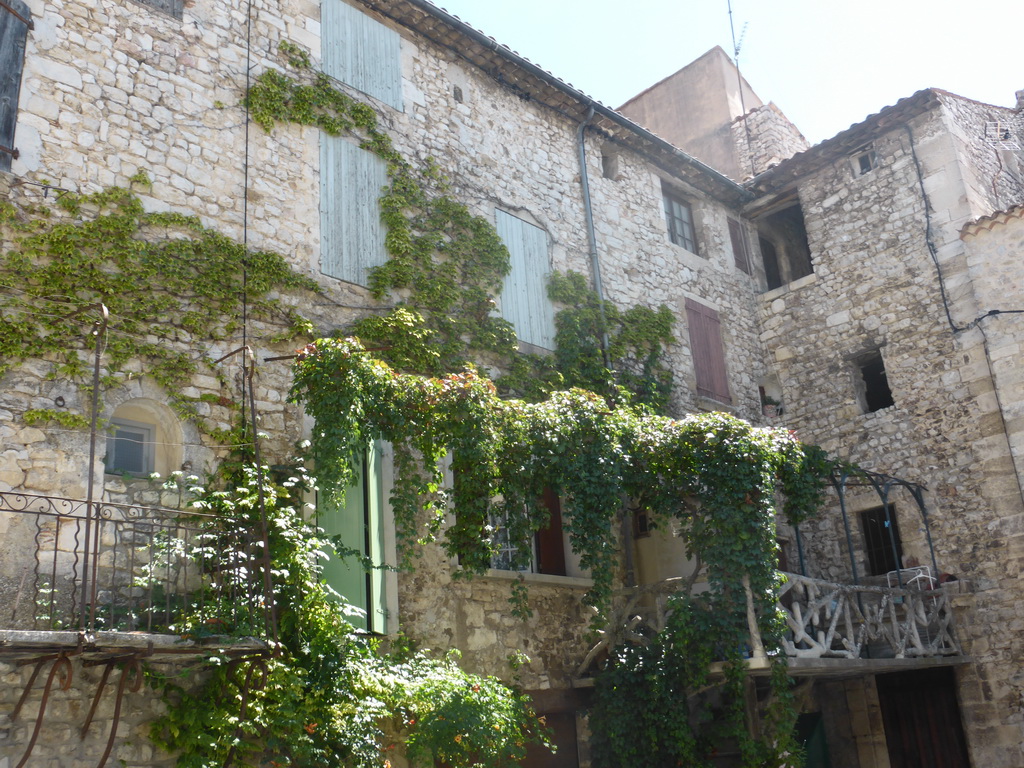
448,267
325,696
447,263
164,277
715,476
636,340
594,456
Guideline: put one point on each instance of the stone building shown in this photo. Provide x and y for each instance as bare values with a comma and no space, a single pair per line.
853,282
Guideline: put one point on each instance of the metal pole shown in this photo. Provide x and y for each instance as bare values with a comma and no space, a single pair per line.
89,589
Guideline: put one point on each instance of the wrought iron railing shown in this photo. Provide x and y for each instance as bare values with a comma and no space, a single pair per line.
71,564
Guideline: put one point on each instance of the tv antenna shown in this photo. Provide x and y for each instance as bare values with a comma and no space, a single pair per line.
739,79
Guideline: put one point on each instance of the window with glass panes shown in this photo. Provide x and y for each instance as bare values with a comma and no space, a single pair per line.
679,219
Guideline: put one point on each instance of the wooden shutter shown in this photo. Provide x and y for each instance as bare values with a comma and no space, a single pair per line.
359,525
15,21
524,296
550,540
351,232
740,251
361,52
707,350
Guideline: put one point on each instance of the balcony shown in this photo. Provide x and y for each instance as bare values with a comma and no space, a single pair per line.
833,629
88,576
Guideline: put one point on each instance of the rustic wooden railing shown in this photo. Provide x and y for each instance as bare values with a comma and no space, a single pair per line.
848,621
825,620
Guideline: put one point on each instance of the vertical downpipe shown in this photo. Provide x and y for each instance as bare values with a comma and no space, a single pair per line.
595,264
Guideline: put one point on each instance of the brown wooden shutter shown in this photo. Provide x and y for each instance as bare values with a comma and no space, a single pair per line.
15,21
707,350
740,251
550,543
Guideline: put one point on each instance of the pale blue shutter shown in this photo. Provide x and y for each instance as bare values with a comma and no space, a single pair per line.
524,297
15,19
361,52
351,232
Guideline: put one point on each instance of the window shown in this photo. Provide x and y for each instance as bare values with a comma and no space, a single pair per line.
740,249
548,544
784,248
524,296
170,7
358,527
882,540
361,52
864,160
351,232
610,163
143,436
129,447
708,353
874,393
679,219
15,22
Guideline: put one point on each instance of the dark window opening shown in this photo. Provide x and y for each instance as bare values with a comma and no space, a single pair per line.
679,219
563,737
740,249
864,160
550,540
457,93
784,248
548,545
771,263
641,524
610,164
877,394
882,540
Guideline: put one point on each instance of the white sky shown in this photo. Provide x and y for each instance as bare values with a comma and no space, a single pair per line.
826,64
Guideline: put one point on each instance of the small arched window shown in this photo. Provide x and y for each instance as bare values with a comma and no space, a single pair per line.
143,436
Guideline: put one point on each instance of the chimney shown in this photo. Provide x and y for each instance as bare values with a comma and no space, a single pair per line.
1020,99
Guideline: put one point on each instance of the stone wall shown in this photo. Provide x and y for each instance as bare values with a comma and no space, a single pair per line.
765,137
114,89
59,742
876,288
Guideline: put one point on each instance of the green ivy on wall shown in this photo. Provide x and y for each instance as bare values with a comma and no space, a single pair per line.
714,476
167,281
448,266
324,696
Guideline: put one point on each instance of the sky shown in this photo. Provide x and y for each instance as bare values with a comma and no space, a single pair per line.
825,64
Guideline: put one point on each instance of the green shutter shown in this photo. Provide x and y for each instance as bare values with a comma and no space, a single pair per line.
359,523
361,52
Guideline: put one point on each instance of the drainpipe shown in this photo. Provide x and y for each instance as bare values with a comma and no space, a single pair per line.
595,264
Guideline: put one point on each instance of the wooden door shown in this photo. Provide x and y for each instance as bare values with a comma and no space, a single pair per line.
922,719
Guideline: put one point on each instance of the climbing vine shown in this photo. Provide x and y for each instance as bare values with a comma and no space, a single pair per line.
325,696
163,276
714,476
447,267
445,263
